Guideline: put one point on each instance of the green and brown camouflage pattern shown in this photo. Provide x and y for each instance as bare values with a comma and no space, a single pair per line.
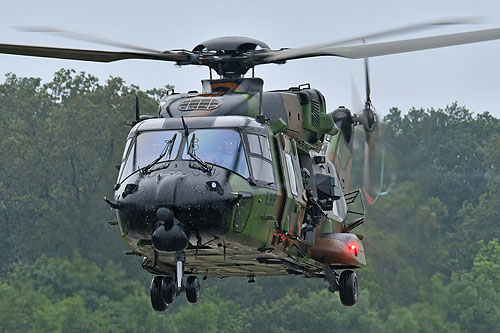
264,232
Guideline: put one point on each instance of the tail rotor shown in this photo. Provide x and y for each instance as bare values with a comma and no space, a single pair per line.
374,147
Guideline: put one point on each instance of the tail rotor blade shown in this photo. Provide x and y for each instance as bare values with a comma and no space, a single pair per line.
367,84
374,155
374,161
356,101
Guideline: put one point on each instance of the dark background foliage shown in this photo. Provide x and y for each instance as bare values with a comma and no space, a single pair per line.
432,242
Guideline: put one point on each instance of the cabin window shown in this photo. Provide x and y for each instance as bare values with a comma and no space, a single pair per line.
291,174
339,209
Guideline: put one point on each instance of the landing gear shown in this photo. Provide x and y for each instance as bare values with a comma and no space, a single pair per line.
180,260
168,289
348,288
192,289
155,292
164,289
346,285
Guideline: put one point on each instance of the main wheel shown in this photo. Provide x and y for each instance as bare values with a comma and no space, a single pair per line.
192,289
348,288
168,289
155,292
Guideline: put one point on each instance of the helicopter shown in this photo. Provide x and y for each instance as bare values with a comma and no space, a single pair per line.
235,181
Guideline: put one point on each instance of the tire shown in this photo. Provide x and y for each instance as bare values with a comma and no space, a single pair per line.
348,288
192,289
168,289
155,292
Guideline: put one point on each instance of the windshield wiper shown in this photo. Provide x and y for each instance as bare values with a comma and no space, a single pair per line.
169,146
204,166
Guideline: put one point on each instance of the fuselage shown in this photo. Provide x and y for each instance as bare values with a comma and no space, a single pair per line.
208,179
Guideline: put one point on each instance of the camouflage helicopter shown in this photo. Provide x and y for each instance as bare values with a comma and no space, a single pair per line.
236,181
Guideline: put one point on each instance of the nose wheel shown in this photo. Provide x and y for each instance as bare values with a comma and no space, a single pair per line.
157,301
164,289
168,289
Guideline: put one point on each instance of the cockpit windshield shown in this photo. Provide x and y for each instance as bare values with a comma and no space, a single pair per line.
147,147
222,147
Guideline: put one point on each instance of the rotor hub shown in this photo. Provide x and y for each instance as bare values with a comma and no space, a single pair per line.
230,44
230,57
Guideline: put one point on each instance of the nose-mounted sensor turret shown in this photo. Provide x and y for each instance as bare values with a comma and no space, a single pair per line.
169,234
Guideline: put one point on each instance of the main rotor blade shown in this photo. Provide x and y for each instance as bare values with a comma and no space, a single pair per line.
426,25
88,55
394,47
84,37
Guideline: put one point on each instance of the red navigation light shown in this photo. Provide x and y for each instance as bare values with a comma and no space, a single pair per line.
352,247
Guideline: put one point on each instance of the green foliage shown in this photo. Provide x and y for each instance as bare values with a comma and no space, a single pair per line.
441,149
405,241
432,243
480,218
61,143
318,311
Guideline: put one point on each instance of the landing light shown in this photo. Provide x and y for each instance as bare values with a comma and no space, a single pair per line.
215,186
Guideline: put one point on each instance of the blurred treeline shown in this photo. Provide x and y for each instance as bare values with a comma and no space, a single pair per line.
432,242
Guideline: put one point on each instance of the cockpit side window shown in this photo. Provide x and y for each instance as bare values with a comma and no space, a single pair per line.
254,144
126,164
264,144
260,158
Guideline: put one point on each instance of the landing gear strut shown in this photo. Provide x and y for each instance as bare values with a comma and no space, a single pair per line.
164,289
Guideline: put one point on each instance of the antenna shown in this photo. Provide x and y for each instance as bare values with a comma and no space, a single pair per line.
137,110
261,118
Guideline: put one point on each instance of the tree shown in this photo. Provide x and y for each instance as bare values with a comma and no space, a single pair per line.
441,149
61,144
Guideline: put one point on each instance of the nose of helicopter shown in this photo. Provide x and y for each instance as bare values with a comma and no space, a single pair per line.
170,206
197,199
